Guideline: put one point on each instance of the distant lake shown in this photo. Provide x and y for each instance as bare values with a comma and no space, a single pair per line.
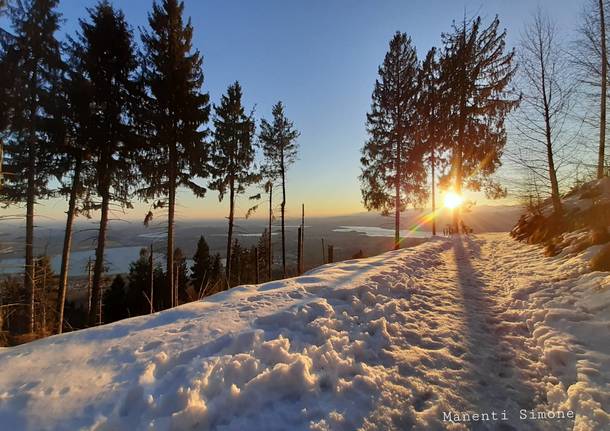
374,231
117,260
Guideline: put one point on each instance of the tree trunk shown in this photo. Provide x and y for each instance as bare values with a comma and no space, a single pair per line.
98,268
302,248
269,243
152,280
433,163
170,287
556,199
230,233
256,272
604,85
397,200
29,238
283,172
457,163
299,249
65,254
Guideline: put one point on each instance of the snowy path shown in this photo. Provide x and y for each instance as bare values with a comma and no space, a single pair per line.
387,343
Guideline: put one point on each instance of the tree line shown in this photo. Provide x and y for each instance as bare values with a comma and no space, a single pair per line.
445,120
111,119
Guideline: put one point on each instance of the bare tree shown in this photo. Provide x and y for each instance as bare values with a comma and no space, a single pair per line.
545,118
590,56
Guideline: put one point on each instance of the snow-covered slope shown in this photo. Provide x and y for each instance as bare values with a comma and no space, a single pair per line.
394,342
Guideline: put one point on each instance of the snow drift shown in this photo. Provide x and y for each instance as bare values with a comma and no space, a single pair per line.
385,343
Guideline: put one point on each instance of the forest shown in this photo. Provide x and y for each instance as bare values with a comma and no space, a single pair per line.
113,115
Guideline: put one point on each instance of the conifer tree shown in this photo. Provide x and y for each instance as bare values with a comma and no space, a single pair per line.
215,277
393,172
115,300
138,290
232,156
105,52
234,276
279,146
175,113
202,265
432,119
180,276
36,62
264,252
476,70
73,164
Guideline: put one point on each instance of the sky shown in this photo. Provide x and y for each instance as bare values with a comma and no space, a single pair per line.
320,57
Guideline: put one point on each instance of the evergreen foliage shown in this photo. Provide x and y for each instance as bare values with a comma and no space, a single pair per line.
174,115
233,155
278,141
393,172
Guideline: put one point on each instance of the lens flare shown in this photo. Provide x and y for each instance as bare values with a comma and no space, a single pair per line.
453,200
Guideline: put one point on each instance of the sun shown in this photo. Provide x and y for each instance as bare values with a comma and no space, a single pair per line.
453,200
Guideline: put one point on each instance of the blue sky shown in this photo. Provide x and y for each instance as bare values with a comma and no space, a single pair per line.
320,57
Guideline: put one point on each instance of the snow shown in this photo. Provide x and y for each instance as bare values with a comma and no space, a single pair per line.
391,342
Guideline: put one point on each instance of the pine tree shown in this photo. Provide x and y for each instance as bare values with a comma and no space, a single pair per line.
181,277
115,300
35,54
138,291
216,274
45,293
234,276
105,52
176,111
393,173
202,265
278,141
233,155
475,75
264,252
432,119
73,164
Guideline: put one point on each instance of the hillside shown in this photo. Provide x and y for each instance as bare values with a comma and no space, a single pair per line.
405,340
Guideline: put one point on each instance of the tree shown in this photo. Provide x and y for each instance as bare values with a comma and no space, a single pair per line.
138,291
73,164
176,111
475,75
234,277
105,52
279,146
115,300
432,120
591,60
233,155
393,172
180,276
264,253
45,285
36,62
542,121
202,265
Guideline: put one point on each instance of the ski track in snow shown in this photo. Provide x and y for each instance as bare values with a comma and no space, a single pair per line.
384,343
